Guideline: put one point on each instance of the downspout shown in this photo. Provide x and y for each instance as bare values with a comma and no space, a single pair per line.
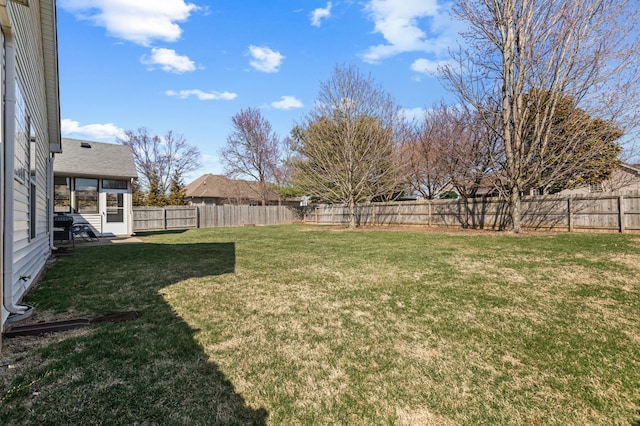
50,196
130,209
9,166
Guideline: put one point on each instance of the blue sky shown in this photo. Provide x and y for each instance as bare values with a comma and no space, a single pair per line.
189,66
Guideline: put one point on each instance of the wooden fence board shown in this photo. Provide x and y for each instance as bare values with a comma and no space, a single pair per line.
180,217
615,212
632,213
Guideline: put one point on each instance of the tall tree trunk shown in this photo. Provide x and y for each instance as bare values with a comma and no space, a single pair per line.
514,208
352,213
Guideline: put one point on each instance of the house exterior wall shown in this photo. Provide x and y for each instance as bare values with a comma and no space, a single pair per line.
30,231
197,201
623,179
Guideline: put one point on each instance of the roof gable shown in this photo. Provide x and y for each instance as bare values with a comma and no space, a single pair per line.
96,159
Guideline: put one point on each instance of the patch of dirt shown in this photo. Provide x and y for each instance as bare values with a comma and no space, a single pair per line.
18,354
15,352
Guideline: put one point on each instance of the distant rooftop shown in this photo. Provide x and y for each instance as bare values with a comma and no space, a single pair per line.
217,186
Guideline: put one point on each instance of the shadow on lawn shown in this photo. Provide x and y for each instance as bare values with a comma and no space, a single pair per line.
163,232
147,371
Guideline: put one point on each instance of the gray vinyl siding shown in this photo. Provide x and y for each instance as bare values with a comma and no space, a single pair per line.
30,254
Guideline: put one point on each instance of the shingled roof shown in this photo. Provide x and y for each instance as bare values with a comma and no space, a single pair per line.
221,187
94,159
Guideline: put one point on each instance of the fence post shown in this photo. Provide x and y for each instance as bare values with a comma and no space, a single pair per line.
429,212
621,212
570,213
164,218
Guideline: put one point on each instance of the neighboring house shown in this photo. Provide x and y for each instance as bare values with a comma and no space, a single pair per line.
93,185
487,187
30,135
625,178
220,190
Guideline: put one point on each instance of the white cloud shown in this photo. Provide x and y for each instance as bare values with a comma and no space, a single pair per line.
319,14
398,22
265,59
201,95
168,60
139,21
107,131
413,114
287,102
427,66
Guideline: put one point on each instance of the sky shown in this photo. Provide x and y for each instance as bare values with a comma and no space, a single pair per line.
190,66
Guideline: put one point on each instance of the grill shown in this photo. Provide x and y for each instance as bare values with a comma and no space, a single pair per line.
62,227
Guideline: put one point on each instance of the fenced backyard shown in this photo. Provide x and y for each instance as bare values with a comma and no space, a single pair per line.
605,212
601,212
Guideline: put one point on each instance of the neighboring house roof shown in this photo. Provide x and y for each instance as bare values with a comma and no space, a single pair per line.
632,167
221,187
94,159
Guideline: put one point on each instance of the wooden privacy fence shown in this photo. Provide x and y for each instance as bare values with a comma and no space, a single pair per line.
180,217
173,217
609,212
214,216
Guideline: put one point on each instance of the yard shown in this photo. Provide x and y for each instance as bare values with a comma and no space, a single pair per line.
317,325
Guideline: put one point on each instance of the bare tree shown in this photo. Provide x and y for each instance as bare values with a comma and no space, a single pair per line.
423,154
452,146
347,143
159,160
473,151
583,49
283,175
253,149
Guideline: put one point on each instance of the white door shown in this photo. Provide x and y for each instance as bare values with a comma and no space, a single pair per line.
114,212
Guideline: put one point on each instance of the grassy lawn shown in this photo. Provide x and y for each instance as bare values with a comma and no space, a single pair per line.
300,325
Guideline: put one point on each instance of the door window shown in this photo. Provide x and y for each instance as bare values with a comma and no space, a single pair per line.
115,208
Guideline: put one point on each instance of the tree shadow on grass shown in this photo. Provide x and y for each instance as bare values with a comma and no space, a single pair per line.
149,370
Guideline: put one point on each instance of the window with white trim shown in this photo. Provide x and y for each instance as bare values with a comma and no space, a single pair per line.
22,141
